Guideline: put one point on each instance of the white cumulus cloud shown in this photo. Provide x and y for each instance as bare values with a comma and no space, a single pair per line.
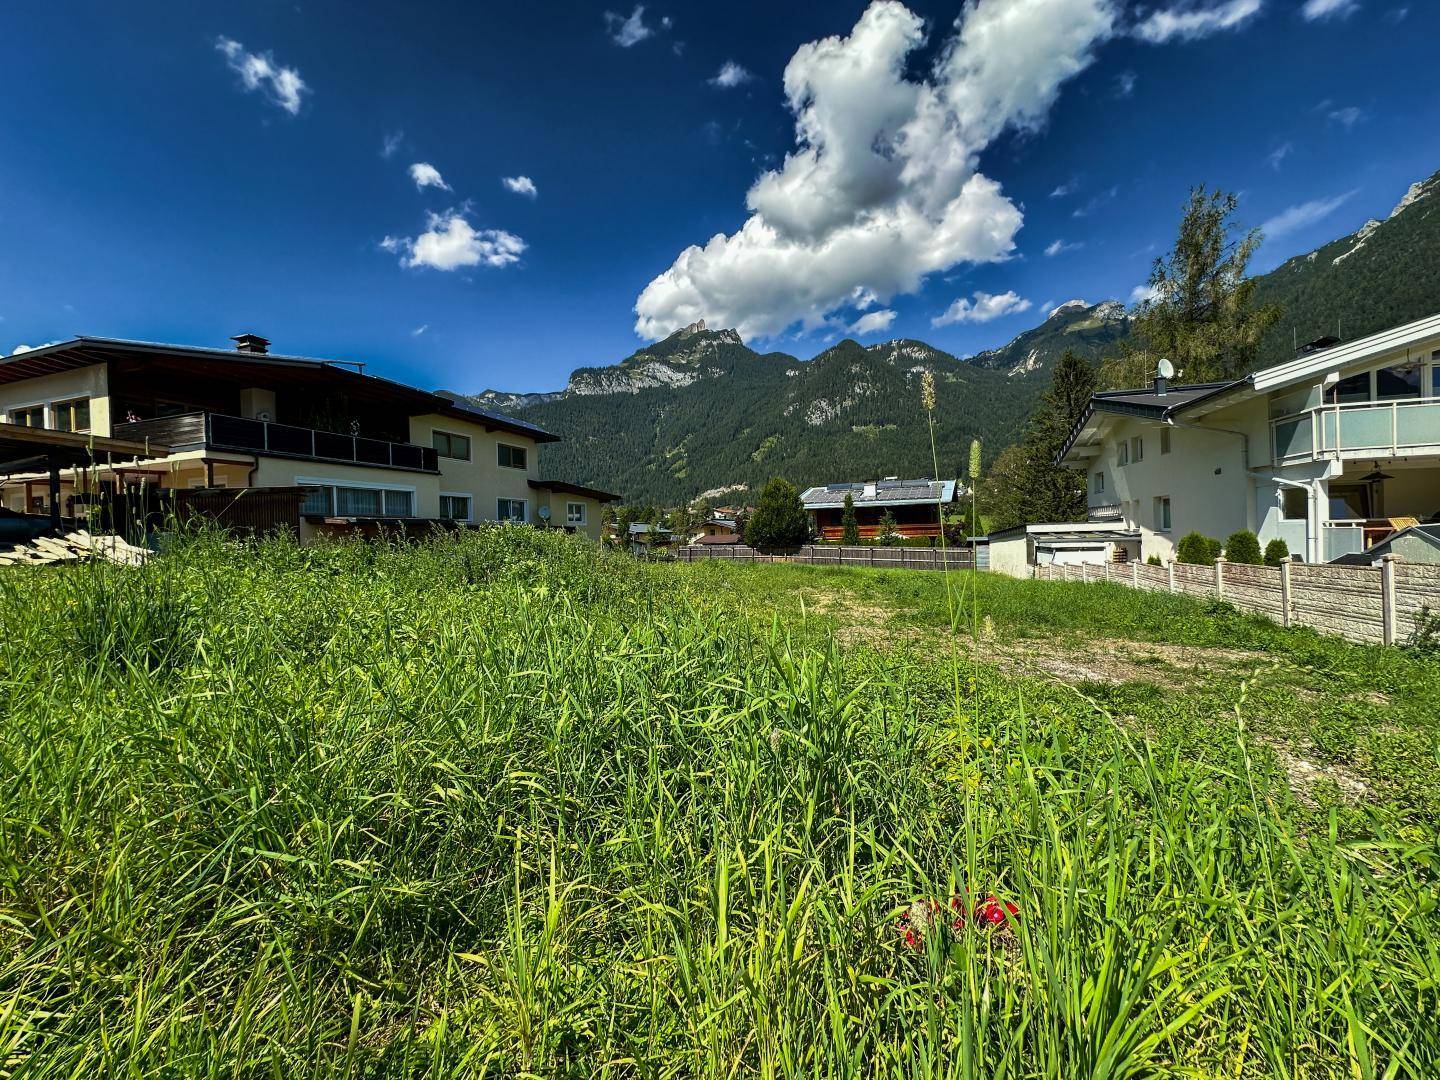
1304,215
258,71
627,30
1324,9
872,322
1196,19
730,74
450,242
983,308
520,185
883,186
1141,294
426,175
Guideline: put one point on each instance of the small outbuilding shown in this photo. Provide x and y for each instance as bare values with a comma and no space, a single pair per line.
1014,551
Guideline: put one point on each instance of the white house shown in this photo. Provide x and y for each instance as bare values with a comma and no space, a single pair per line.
1331,451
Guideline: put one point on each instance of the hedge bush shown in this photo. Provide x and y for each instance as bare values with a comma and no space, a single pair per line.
1198,549
1243,547
1276,550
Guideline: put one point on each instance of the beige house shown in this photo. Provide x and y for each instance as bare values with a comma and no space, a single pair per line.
1331,451
370,452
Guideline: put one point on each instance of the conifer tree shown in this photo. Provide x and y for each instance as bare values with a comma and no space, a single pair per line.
779,520
848,523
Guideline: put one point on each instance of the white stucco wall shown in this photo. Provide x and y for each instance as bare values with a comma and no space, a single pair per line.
1010,556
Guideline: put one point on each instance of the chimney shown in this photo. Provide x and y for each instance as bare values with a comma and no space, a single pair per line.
251,343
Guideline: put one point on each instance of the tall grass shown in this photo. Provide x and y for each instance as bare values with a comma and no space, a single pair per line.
505,805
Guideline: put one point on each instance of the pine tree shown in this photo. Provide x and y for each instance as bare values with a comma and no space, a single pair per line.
1025,485
1201,312
850,526
779,520
889,535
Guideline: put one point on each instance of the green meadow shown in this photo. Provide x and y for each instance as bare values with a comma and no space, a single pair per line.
507,805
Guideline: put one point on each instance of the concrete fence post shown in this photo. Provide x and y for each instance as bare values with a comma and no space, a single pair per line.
1388,614
1085,572
1220,577
1135,574
1170,570
1285,616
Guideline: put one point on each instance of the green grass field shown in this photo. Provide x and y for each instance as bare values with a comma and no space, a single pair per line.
505,805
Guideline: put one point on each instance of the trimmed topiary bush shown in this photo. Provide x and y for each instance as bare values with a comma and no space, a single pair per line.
1276,550
1197,549
1243,547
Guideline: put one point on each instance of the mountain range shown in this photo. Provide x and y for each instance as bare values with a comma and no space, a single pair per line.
701,413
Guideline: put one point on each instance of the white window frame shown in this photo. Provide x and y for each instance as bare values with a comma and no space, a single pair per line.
469,504
1100,482
1137,448
524,517
1122,453
332,484
583,519
518,468
52,415
1164,508
25,406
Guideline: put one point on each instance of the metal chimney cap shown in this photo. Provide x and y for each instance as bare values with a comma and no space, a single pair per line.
251,343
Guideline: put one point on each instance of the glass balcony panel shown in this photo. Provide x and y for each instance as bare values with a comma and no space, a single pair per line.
285,439
372,451
237,432
1418,425
1293,438
330,445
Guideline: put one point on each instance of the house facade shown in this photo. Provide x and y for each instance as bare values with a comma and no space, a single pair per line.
914,505
1331,451
369,452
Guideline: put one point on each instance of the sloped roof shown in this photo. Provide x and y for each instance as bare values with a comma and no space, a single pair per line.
879,493
299,372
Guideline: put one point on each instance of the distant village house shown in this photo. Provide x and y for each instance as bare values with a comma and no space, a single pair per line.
913,505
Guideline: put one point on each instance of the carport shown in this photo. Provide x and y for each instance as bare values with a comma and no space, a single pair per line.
41,450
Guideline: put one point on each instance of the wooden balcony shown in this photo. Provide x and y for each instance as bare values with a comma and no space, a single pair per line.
216,431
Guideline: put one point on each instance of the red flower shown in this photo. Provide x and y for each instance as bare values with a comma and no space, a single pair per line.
992,911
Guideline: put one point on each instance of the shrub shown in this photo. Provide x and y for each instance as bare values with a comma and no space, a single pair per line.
1243,547
1197,549
848,524
1154,560
888,536
1275,551
779,520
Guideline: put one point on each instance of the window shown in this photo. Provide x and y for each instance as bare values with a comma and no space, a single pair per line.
1164,440
1294,504
1122,453
73,415
1137,449
333,499
512,457
1435,378
1400,381
455,507
1355,388
1099,482
1162,513
574,513
34,416
510,509
451,445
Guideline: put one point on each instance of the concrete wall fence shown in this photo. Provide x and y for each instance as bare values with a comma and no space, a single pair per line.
1374,604
895,558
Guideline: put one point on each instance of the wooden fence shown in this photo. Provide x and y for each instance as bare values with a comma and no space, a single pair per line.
893,558
1373,604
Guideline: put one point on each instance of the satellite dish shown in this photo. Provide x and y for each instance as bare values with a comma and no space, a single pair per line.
543,513
1165,369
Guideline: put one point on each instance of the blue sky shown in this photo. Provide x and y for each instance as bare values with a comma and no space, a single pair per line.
186,172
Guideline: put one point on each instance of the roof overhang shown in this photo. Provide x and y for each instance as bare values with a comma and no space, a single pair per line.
564,487
28,449
1110,407
1420,335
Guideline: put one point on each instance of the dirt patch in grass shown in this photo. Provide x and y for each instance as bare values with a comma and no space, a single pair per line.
1302,774
1077,660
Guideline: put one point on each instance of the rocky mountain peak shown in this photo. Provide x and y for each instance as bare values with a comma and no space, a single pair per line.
1068,306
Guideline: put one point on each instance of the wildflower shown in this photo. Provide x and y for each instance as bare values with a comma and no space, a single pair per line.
992,911
927,391
775,738
974,459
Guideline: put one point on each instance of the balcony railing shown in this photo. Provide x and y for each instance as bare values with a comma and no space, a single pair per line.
1361,429
1105,512
216,431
